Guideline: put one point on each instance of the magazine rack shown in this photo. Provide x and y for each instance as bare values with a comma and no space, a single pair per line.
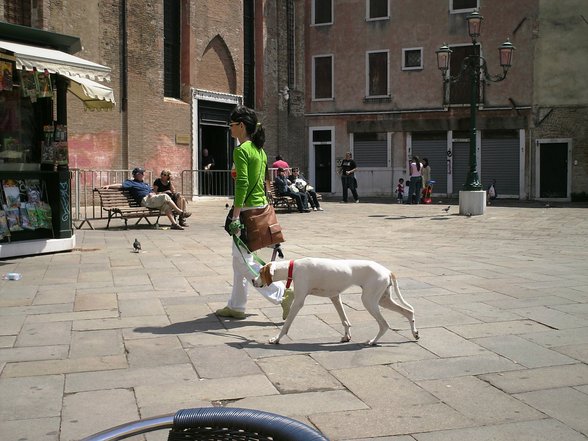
217,424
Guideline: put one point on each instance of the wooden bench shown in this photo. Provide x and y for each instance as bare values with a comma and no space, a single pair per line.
279,201
119,203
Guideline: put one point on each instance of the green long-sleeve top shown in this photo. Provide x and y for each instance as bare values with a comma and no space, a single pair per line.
250,165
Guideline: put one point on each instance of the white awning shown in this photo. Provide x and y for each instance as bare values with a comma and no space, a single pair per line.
95,96
80,72
29,57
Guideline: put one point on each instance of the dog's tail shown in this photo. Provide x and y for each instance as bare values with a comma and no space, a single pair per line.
394,283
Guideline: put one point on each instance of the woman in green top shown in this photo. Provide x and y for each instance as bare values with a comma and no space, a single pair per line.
250,167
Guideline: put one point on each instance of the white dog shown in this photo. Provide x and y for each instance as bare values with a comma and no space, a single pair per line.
328,278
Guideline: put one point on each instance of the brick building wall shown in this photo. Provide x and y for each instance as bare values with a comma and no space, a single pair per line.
146,128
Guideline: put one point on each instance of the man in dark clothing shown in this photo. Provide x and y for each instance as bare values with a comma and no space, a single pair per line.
282,185
207,166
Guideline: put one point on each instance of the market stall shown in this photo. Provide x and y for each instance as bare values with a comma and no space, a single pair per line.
36,71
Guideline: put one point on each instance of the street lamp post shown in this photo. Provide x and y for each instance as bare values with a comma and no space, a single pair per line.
475,66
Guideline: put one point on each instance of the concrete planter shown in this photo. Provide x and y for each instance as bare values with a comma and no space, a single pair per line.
472,202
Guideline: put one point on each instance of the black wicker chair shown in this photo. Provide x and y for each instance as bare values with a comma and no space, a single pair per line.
217,424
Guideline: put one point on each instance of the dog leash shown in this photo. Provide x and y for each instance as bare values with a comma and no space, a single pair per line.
240,246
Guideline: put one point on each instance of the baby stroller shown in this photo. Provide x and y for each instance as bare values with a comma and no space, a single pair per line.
427,191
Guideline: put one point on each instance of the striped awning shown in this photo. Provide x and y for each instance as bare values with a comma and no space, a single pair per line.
82,74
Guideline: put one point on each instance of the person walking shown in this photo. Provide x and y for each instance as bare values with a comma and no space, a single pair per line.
250,169
348,181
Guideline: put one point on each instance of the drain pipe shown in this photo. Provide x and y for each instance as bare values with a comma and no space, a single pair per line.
124,87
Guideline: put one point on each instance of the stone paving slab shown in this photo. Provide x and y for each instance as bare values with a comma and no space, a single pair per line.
49,367
524,352
539,430
102,335
455,367
564,404
113,407
479,401
38,396
38,429
528,380
384,422
304,403
382,387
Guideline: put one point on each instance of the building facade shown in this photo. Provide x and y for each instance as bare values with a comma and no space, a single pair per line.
178,69
373,88
330,76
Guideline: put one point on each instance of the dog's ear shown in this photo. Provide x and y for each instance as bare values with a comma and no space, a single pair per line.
271,268
266,272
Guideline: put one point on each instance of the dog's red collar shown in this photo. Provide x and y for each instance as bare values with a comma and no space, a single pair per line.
290,269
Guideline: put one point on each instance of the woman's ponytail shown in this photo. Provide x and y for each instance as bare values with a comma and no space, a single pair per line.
258,135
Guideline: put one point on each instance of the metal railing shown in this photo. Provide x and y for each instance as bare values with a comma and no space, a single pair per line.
206,183
85,203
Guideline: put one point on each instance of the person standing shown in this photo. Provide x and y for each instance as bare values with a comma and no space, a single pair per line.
427,186
207,166
250,165
416,181
400,191
348,181
280,163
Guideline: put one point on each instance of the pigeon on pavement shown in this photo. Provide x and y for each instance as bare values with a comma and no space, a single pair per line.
136,246
446,210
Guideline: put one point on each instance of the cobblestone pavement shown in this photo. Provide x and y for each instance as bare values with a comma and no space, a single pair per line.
101,335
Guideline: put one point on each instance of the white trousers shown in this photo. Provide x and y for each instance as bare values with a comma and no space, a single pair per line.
242,277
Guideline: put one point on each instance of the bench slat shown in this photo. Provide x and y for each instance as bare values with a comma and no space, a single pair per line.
119,203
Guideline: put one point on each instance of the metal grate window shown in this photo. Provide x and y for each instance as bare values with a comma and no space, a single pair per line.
291,41
460,92
377,9
377,74
17,12
463,5
322,12
249,53
412,58
323,77
171,48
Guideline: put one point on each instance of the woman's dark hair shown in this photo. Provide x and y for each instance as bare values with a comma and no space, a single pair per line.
425,162
253,127
418,162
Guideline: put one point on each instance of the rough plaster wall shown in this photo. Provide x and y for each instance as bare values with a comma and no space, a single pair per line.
560,57
218,64
350,37
93,137
96,139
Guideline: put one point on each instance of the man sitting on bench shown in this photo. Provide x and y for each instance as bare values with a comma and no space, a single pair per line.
146,197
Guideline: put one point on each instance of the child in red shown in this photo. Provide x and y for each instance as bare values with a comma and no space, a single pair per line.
400,191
